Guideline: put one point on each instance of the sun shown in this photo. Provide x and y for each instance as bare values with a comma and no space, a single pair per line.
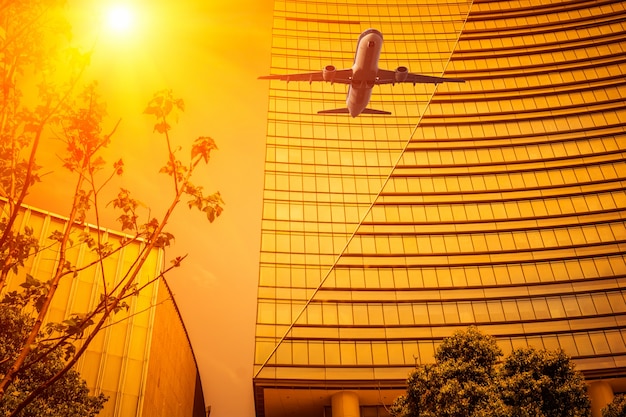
120,18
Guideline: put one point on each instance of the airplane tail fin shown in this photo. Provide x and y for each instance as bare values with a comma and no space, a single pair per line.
344,110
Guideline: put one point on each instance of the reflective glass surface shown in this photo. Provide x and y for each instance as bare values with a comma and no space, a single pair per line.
500,202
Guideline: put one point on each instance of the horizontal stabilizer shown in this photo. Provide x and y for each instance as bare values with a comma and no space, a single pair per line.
335,111
372,111
345,110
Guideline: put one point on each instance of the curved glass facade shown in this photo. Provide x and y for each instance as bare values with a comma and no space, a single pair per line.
500,202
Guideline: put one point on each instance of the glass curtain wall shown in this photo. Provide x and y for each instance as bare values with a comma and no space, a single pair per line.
324,172
499,202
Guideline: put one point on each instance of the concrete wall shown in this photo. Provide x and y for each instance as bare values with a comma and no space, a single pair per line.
173,387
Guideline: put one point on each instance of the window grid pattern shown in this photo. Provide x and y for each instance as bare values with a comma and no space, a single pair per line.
116,362
507,208
323,173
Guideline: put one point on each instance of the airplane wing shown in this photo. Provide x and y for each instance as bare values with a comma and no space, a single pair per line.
389,77
339,76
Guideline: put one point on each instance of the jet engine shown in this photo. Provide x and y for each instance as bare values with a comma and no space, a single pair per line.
401,74
329,73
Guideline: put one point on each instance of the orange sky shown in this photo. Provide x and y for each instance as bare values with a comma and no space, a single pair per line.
210,53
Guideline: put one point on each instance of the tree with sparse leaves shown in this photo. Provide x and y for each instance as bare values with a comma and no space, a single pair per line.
468,380
40,100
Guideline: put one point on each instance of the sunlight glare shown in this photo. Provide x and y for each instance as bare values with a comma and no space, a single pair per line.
120,18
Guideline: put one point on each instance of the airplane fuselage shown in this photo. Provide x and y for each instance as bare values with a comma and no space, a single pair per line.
364,71
362,76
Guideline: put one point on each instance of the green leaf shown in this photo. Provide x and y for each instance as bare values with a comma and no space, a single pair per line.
163,240
161,127
56,235
119,167
30,282
202,147
150,109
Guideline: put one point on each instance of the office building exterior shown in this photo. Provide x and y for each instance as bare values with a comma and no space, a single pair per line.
141,359
500,202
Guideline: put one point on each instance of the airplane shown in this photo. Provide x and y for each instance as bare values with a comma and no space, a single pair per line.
363,76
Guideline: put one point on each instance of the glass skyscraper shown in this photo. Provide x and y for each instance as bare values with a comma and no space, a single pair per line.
500,202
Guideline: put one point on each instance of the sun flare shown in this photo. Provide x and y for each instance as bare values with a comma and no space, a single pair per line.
120,18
